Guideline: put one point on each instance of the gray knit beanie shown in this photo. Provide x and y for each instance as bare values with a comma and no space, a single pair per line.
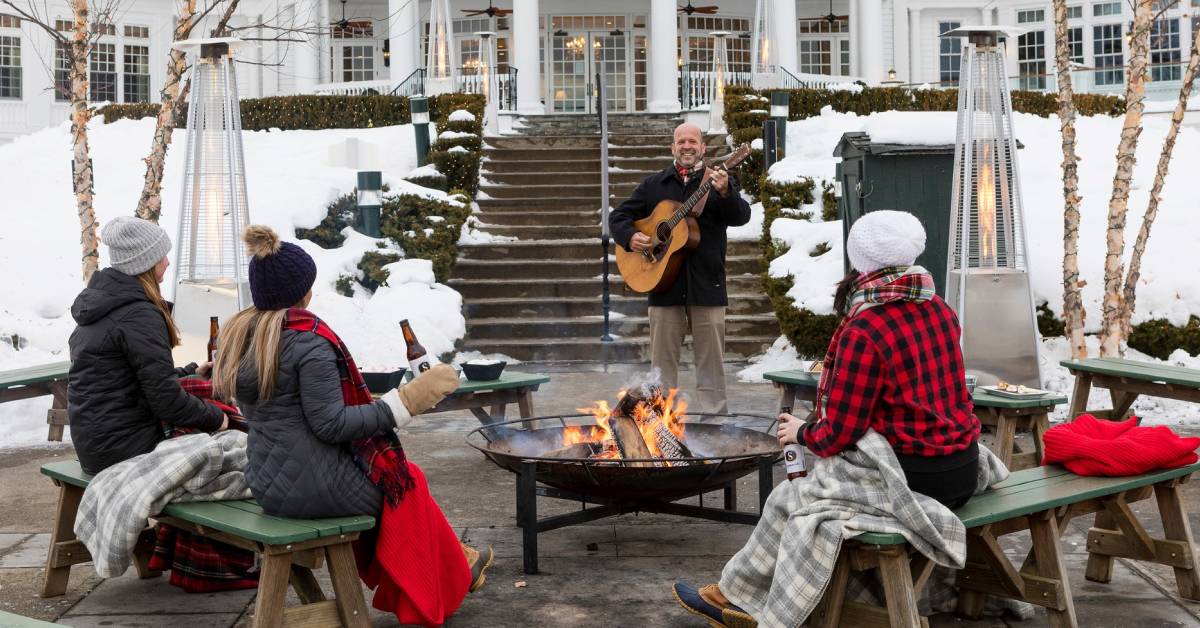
134,245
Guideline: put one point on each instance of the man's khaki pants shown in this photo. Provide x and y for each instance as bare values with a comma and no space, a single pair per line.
668,326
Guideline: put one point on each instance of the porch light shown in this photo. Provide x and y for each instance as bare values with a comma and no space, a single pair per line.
892,74
370,202
419,108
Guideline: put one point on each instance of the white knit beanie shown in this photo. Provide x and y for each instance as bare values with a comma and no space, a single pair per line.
134,245
884,238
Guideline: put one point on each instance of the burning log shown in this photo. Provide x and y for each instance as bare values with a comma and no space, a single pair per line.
645,425
577,450
628,437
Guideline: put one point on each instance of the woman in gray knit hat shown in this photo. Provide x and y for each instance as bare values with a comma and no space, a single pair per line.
123,384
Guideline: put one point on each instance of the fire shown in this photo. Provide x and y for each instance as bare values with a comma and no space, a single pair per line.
986,202
652,416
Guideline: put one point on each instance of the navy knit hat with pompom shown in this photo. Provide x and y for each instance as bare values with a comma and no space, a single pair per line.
281,273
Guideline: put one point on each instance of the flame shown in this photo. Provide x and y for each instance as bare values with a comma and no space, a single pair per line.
986,203
669,411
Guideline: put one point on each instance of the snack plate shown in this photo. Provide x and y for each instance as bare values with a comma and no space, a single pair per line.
1032,393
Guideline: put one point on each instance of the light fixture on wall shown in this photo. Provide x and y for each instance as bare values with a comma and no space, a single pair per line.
560,33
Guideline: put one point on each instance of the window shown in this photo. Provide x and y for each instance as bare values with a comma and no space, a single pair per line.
949,53
639,73
1030,16
1075,44
358,63
701,46
1165,57
1075,12
64,26
10,21
104,29
821,25
103,78
1031,60
1106,8
364,29
137,32
844,52
1107,52
816,56
10,67
1160,6
137,74
62,73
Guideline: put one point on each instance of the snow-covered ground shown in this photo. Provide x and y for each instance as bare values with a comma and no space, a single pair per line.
291,177
1168,287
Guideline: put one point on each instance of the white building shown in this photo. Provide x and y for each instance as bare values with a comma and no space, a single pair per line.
654,56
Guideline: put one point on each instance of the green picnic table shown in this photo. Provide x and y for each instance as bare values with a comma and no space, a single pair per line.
37,381
1002,414
1125,380
488,400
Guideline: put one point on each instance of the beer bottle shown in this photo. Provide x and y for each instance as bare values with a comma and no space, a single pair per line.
418,359
213,328
793,455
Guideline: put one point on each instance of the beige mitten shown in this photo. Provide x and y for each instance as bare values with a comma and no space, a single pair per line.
429,388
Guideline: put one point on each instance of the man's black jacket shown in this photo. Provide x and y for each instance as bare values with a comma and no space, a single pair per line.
702,281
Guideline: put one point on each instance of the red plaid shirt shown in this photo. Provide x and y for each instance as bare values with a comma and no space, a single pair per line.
898,370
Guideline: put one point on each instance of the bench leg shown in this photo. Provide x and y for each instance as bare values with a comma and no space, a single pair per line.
55,579
1006,436
898,588
828,613
1047,551
142,554
1041,424
272,590
56,417
1100,566
351,606
306,586
1079,397
1176,528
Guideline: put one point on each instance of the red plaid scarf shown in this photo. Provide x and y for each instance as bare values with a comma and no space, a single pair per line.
200,387
686,173
380,457
895,283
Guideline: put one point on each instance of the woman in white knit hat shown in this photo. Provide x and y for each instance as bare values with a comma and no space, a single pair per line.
894,366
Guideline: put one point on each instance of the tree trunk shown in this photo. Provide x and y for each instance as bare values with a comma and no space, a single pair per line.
1118,205
1129,298
1073,311
150,204
81,165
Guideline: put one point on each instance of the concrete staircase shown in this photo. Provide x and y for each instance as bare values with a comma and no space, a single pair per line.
538,298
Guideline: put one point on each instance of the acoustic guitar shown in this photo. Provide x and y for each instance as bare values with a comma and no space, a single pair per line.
673,233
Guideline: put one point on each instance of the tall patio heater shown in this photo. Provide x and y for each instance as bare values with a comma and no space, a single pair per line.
211,264
987,280
720,65
762,40
441,61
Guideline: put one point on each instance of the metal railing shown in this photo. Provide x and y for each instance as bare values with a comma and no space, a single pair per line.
412,84
470,81
354,88
1166,79
697,82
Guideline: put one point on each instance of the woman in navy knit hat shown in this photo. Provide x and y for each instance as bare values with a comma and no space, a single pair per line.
321,446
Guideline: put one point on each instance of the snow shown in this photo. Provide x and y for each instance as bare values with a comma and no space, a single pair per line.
289,185
428,170
780,357
461,115
457,149
815,276
453,135
751,230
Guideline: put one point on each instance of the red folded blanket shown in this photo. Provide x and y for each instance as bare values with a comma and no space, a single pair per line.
1091,446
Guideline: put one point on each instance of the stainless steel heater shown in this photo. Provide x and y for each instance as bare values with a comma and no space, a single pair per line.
987,280
211,263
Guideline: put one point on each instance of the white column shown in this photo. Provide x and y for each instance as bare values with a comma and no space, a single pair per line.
306,55
664,54
323,42
856,38
871,68
784,14
402,35
900,40
525,48
985,17
915,65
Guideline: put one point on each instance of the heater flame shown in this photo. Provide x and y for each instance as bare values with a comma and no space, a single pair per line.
986,203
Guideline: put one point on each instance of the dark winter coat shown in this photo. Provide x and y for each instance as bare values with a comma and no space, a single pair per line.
122,380
299,446
702,280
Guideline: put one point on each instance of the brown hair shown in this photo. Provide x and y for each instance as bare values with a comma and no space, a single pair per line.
149,283
841,296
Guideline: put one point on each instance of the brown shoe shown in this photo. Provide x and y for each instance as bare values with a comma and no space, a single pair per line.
478,563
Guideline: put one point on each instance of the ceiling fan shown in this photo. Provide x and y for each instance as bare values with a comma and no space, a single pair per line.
689,9
343,23
830,17
490,11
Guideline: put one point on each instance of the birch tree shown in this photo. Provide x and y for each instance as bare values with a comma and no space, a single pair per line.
1073,311
76,47
1129,294
1118,204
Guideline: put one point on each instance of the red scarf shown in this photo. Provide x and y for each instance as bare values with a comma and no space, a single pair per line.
380,457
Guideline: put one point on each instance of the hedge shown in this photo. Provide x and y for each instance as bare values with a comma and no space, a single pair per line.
341,213
425,228
1156,337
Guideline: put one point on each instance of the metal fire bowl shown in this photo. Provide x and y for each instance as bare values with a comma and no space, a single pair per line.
724,451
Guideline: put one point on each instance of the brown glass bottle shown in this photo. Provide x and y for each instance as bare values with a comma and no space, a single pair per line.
418,358
213,329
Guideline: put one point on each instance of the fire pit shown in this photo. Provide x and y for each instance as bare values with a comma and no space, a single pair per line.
581,458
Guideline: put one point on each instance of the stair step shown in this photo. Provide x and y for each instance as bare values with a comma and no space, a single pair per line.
558,179
573,307
546,217
586,283
494,166
481,330
562,203
561,191
544,232
585,248
631,349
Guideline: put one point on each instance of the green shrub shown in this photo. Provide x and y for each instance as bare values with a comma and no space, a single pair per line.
372,267
1048,324
461,169
425,228
345,285
1160,338
462,126
437,182
829,203
473,143
342,213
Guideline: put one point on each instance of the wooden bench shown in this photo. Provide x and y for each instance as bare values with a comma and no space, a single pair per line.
9,620
1041,500
1003,415
37,381
290,550
1126,379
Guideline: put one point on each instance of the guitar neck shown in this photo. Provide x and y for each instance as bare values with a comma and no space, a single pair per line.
690,203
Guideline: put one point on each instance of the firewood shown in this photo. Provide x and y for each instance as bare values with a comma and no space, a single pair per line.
578,450
670,446
630,443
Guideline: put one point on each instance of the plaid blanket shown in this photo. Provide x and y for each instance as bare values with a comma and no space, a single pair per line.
117,502
782,571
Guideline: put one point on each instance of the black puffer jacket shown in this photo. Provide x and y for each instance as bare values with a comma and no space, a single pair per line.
702,281
122,379
300,461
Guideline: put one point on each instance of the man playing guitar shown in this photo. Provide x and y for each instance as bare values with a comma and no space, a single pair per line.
697,300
